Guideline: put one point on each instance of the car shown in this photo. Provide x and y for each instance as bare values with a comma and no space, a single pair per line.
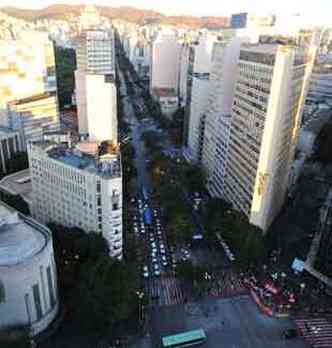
154,260
156,272
164,263
156,266
153,245
145,272
151,239
162,251
159,233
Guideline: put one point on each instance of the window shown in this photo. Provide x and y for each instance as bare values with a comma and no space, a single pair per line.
36,297
2,293
50,286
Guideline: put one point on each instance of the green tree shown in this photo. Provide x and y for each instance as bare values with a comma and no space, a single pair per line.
65,62
105,294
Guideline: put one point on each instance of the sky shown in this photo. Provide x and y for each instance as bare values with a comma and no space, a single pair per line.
318,12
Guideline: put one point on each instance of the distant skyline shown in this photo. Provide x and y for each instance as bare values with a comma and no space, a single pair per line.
316,12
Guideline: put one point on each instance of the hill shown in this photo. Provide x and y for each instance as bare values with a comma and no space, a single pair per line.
130,14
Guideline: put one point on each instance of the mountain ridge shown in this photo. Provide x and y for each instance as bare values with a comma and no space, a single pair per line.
131,14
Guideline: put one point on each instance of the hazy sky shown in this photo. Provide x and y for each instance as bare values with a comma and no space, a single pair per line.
312,11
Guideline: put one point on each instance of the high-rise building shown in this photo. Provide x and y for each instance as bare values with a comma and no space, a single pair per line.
270,90
78,185
164,70
200,59
217,116
28,282
34,116
95,86
27,68
95,53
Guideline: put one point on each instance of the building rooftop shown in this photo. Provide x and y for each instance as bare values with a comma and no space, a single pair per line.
107,163
18,183
21,238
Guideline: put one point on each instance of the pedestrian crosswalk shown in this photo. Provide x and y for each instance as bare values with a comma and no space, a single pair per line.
316,331
228,285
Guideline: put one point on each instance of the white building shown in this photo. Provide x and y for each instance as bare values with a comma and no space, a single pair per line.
95,53
96,100
200,61
271,87
28,279
218,113
34,116
95,86
78,186
165,58
27,68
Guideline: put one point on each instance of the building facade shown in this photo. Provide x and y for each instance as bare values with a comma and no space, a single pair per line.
78,186
95,86
34,116
271,86
28,278
27,68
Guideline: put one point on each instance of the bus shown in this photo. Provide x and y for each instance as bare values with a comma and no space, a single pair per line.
184,339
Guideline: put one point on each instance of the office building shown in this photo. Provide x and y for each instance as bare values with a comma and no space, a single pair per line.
28,278
78,185
270,90
164,70
200,59
217,116
95,53
10,144
34,116
27,68
95,86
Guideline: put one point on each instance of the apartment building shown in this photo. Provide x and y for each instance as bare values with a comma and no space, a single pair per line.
95,86
34,116
27,68
217,115
200,60
321,83
164,69
270,90
78,185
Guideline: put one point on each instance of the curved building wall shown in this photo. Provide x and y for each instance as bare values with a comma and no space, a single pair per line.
29,294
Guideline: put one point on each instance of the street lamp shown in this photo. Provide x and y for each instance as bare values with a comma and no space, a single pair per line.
302,286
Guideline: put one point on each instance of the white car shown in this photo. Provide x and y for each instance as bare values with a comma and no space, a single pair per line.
156,272
154,260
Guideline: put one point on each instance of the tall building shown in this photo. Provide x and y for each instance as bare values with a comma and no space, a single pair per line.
270,90
200,59
321,83
95,53
78,185
28,282
27,68
34,116
95,86
164,70
217,116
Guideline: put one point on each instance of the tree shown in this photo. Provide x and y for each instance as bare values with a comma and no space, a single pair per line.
105,295
65,61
